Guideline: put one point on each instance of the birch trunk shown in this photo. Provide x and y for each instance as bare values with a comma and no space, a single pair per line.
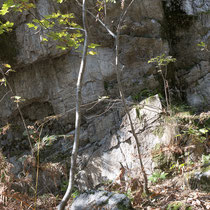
67,195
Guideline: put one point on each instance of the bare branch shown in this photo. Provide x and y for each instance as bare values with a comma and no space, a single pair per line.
124,101
19,110
5,96
99,20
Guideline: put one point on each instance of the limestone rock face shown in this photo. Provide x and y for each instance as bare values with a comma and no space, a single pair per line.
198,82
188,25
193,7
46,78
54,80
190,7
114,144
46,75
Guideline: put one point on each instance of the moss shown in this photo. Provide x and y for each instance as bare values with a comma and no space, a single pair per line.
178,205
205,169
145,93
138,113
122,206
174,206
159,131
159,157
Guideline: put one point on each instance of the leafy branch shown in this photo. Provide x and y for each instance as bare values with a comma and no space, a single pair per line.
162,62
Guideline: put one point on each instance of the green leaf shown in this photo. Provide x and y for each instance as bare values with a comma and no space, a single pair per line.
93,46
92,53
2,80
31,25
5,7
203,130
44,39
7,65
201,44
61,47
17,99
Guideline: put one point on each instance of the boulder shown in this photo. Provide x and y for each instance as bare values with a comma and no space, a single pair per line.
91,200
113,144
200,179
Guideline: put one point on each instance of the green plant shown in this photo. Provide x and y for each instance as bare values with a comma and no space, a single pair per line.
75,193
203,46
178,205
64,186
183,108
145,93
129,194
162,63
198,133
205,159
174,206
178,168
159,131
157,176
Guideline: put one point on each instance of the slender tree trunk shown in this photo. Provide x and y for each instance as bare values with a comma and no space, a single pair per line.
67,195
116,37
166,90
105,11
124,102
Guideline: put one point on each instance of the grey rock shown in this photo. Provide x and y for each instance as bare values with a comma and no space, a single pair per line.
200,180
193,7
190,7
198,82
46,78
101,161
17,165
101,199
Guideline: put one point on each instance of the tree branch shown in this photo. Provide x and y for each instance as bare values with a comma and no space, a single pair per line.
124,101
20,112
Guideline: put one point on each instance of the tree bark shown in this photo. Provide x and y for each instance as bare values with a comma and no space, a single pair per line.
67,195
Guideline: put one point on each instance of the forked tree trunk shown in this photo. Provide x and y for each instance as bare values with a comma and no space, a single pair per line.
146,191
78,103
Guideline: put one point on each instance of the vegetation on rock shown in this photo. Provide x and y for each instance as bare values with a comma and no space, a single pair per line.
34,173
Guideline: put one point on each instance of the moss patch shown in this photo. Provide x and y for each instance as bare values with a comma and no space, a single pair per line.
159,131
159,157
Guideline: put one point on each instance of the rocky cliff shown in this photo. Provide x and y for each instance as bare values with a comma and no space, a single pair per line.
46,78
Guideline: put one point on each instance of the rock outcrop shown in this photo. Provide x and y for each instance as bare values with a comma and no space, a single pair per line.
46,78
